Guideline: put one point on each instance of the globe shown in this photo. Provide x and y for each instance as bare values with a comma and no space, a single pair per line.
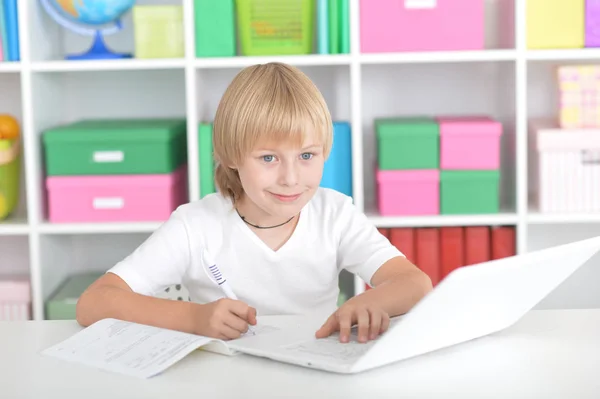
97,18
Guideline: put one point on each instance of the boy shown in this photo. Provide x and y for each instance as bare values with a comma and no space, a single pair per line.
278,238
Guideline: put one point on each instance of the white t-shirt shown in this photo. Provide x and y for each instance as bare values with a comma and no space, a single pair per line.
299,278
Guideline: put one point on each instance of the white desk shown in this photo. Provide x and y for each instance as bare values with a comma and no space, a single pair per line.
548,354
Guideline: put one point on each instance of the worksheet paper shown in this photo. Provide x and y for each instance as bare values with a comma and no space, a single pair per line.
128,348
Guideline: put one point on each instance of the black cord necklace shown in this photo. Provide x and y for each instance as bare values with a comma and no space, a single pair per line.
263,227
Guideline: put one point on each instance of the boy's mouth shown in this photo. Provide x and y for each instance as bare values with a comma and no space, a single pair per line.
286,198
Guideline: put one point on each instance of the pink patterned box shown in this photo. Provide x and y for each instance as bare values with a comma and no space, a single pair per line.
15,298
421,25
408,192
119,198
469,143
579,87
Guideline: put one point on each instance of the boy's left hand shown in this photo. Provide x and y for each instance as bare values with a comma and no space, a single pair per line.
371,319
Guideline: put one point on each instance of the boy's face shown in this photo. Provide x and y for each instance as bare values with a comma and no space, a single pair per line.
279,179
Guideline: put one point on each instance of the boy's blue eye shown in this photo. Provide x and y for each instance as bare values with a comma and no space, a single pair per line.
267,158
307,156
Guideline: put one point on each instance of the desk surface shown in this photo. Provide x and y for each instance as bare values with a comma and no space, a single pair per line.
547,354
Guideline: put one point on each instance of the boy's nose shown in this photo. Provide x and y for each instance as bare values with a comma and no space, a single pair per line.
289,174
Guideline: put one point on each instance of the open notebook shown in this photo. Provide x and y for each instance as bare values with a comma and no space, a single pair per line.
471,302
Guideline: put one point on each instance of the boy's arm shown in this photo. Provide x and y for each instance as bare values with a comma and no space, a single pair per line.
111,297
398,286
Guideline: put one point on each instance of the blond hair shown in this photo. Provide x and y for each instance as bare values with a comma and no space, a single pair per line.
271,102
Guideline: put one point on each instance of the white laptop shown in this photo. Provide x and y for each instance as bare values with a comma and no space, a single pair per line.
471,302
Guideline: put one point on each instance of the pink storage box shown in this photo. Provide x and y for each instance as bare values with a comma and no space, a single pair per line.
120,198
408,192
421,25
469,143
15,298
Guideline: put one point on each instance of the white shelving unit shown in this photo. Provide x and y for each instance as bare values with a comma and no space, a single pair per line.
505,81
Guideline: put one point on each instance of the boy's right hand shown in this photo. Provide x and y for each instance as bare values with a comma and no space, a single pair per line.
223,319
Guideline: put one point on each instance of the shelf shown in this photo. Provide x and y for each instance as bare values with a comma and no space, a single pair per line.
297,60
563,54
107,65
438,57
9,67
14,226
563,218
443,220
98,228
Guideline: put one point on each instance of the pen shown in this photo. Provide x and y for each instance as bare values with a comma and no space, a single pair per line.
220,279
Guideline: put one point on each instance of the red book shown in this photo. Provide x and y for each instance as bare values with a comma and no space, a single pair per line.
452,247
428,252
384,232
403,238
503,242
477,244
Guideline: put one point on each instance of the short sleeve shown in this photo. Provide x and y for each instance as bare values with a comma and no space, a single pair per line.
362,248
160,261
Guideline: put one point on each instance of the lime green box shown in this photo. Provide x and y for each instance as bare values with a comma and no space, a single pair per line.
469,191
158,31
113,147
207,164
62,304
215,28
10,170
275,27
408,143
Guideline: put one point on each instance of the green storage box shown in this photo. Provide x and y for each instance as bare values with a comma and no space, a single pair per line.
158,31
116,147
10,173
207,164
407,143
215,28
469,191
62,304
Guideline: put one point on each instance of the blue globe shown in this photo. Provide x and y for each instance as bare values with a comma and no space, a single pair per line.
90,17
92,12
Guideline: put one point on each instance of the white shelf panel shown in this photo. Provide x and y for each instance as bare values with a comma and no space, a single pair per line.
10,67
107,65
297,60
16,226
98,228
563,54
438,57
443,220
563,218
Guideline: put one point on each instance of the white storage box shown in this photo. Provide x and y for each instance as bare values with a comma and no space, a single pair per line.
564,168
15,298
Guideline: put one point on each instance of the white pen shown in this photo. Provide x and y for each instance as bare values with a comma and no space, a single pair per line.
220,279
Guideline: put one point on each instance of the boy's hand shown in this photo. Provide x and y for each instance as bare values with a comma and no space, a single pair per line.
371,319
223,319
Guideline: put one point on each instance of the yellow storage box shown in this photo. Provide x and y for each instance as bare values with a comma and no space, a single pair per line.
159,31
555,24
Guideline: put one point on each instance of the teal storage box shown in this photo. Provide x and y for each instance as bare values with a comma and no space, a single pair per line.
337,171
469,191
62,304
215,28
115,147
407,143
207,163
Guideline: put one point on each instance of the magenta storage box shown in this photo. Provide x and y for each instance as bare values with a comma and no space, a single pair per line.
408,192
592,23
421,25
15,298
118,198
469,143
